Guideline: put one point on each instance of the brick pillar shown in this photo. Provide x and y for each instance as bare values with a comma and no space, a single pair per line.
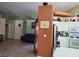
45,30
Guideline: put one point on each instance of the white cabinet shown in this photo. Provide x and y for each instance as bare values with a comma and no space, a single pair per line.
2,26
62,26
64,41
65,26
73,26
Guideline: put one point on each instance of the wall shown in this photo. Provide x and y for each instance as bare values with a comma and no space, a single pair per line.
29,26
11,29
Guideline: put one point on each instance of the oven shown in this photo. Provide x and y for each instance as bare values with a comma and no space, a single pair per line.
74,37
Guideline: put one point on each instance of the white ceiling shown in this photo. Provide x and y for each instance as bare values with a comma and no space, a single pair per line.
30,8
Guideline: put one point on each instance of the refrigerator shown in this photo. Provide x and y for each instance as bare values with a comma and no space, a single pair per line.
55,36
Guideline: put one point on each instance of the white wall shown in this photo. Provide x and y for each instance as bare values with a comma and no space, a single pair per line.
29,29
11,29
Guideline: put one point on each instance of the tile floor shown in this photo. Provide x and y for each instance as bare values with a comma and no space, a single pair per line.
16,48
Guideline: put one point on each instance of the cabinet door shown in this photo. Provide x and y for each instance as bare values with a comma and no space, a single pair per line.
62,26
2,26
59,25
65,26
73,26
64,41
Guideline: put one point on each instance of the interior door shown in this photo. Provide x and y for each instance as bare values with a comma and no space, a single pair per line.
18,29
